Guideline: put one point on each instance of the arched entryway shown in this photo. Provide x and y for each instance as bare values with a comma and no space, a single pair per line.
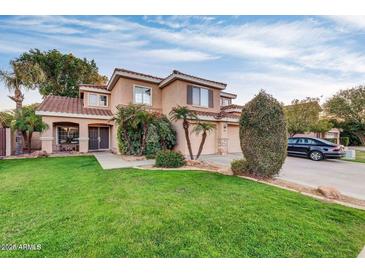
66,136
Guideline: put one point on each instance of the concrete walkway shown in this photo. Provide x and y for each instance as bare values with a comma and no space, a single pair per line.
108,160
347,177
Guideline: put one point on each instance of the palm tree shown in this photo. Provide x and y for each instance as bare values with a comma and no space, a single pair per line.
205,128
27,123
184,114
5,118
23,75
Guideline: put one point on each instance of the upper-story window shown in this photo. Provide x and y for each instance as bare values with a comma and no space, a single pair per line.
142,95
98,100
225,101
200,97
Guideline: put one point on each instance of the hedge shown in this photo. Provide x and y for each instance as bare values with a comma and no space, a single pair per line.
263,135
169,158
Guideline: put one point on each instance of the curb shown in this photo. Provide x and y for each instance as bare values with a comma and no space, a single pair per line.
362,253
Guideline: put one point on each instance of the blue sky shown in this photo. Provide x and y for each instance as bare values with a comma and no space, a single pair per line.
289,56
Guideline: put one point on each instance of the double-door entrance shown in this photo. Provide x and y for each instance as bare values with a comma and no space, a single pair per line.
98,138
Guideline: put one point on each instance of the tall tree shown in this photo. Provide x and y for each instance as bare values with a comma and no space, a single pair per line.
205,129
302,115
5,118
27,122
184,114
64,72
23,74
348,108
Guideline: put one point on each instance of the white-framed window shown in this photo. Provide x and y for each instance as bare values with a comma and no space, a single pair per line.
142,95
93,100
200,97
225,101
103,100
98,100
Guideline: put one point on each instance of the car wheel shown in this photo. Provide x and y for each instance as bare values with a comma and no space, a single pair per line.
316,155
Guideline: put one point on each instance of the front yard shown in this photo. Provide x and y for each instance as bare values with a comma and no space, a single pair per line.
73,208
360,156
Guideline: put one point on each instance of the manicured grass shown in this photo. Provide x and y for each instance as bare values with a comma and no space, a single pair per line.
73,208
360,157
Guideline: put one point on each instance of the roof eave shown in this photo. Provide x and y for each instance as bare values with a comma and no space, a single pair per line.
207,83
125,74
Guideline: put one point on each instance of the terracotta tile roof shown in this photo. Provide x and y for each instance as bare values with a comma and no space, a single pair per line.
231,106
138,73
216,115
70,105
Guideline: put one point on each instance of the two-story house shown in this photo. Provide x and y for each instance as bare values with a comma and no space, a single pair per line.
84,124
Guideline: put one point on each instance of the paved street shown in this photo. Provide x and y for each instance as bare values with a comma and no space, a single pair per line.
347,177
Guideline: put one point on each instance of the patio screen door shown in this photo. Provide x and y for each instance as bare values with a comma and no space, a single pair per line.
104,137
93,138
98,138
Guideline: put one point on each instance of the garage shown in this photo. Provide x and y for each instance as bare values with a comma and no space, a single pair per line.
233,139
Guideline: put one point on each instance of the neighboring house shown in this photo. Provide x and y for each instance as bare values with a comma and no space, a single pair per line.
332,134
84,124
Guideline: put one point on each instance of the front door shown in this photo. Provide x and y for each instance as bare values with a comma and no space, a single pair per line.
103,137
98,138
93,138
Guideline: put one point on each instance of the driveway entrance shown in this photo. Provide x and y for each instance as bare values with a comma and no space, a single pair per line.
347,177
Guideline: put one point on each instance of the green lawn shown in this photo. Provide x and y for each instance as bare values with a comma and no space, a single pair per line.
360,156
73,208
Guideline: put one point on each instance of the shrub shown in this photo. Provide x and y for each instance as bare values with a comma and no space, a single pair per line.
141,132
332,140
263,135
168,158
239,167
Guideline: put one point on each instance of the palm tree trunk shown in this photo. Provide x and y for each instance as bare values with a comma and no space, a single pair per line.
30,142
186,130
18,98
204,136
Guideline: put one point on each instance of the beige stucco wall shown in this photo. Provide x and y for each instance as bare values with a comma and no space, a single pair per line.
176,94
36,142
210,146
122,93
48,137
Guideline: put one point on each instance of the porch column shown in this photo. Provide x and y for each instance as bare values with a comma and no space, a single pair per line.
8,142
222,138
47,137
83,137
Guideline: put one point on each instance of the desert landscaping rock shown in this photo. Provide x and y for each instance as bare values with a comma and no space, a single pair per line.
329,192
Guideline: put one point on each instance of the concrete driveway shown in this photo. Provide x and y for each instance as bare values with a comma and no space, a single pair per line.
347,177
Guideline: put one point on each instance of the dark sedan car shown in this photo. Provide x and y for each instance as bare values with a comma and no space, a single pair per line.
314,148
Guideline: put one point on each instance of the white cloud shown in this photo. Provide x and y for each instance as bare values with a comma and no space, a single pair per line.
286,87
349,21
178,55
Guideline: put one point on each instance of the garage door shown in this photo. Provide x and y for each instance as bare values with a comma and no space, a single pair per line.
233,139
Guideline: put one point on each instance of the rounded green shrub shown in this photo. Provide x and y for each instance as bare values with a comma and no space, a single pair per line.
263,135
169,158
239,167
345,141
